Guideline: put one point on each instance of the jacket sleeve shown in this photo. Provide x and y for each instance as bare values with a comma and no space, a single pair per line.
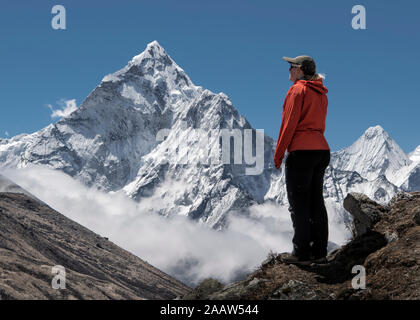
291,114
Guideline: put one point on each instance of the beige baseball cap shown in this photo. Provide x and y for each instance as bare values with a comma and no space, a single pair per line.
306,62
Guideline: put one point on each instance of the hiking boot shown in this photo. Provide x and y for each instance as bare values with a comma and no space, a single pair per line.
290,258
319,259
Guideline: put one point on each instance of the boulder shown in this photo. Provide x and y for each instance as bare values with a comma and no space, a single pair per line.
204,289
417,218
366,212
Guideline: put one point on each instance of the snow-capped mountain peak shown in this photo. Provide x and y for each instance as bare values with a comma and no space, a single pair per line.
150,80
110,142
375,132
415,155
377,135
373,154
153,50
153,60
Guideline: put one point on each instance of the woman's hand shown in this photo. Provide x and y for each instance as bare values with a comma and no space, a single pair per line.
277,163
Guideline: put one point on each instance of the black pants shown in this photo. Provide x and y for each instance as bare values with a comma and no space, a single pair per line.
305,182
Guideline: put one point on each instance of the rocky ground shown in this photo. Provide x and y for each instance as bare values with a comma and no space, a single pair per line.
34,238
386,243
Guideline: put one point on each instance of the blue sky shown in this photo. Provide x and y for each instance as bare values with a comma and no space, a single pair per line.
233,46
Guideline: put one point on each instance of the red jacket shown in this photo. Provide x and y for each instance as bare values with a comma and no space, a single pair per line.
303,119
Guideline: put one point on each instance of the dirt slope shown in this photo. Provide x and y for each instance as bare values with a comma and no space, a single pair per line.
34,238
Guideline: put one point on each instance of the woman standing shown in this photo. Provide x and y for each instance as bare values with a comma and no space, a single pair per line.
302,134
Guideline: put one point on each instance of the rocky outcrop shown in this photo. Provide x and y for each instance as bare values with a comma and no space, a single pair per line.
365,212
386,245
34,238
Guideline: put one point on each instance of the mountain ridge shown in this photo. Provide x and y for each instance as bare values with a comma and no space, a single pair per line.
110,143
35,238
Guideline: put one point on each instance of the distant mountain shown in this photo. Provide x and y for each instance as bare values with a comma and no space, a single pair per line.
111,142
374,154
35,238
415,155
409,177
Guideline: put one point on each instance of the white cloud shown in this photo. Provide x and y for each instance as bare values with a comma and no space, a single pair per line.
6,133
178,246
65,108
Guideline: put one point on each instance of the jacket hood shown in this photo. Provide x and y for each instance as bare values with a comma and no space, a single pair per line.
316,85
